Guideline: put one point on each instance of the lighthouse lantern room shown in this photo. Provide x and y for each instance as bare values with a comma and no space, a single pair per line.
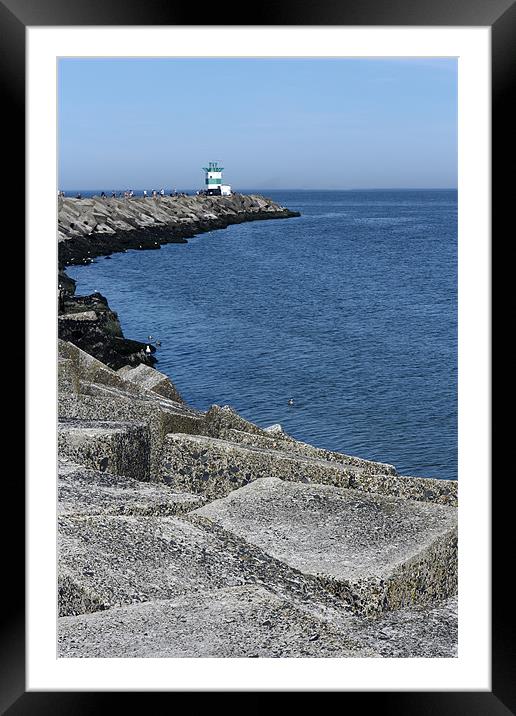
213,180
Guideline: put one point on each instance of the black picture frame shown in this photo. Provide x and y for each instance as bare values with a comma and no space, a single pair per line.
500,16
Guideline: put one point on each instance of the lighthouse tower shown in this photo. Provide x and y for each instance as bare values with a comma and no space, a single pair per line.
213,180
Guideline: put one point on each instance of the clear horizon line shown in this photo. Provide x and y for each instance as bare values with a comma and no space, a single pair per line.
238,191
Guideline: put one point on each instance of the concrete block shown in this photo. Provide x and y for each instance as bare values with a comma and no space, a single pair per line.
375,552
243,622
212,467
91,370
150,379
226,424
106,403
275,440
118,448
82,491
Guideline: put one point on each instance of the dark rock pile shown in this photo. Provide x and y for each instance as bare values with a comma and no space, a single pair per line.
89,323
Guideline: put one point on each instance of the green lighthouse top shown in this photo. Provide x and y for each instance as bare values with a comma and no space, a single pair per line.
213,167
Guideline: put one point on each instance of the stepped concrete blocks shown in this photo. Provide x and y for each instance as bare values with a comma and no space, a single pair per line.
104,403
118,448
213,467
426,489
82,491
276,440
150,379
245,622
375,552
226,424
90,369
219,419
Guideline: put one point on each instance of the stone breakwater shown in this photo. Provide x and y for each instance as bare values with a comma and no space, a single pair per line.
100,226
199,534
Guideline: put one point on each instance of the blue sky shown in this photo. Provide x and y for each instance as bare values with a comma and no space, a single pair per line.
274,123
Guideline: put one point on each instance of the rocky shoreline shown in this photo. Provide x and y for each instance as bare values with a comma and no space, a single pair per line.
185,533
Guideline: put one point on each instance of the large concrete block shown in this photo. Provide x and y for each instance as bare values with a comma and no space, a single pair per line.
82,491
426,489
118,448
277,440
117,560
226,424
150,379
89,369
213,467
413,632
243,622
105,403
374,551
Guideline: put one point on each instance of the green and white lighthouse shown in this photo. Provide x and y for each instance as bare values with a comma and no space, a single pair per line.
213,180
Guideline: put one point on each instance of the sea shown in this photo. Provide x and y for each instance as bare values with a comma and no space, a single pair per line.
340,325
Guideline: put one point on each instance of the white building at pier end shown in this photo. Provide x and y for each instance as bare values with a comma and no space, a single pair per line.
213,180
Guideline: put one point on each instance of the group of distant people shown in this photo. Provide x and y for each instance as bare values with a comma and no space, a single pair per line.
130,193
115,195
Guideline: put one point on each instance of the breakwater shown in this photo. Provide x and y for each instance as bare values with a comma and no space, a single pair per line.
101,226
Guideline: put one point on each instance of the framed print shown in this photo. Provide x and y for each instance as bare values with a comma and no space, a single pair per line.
147,464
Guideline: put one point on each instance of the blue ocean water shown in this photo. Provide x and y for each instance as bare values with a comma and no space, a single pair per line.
350,310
